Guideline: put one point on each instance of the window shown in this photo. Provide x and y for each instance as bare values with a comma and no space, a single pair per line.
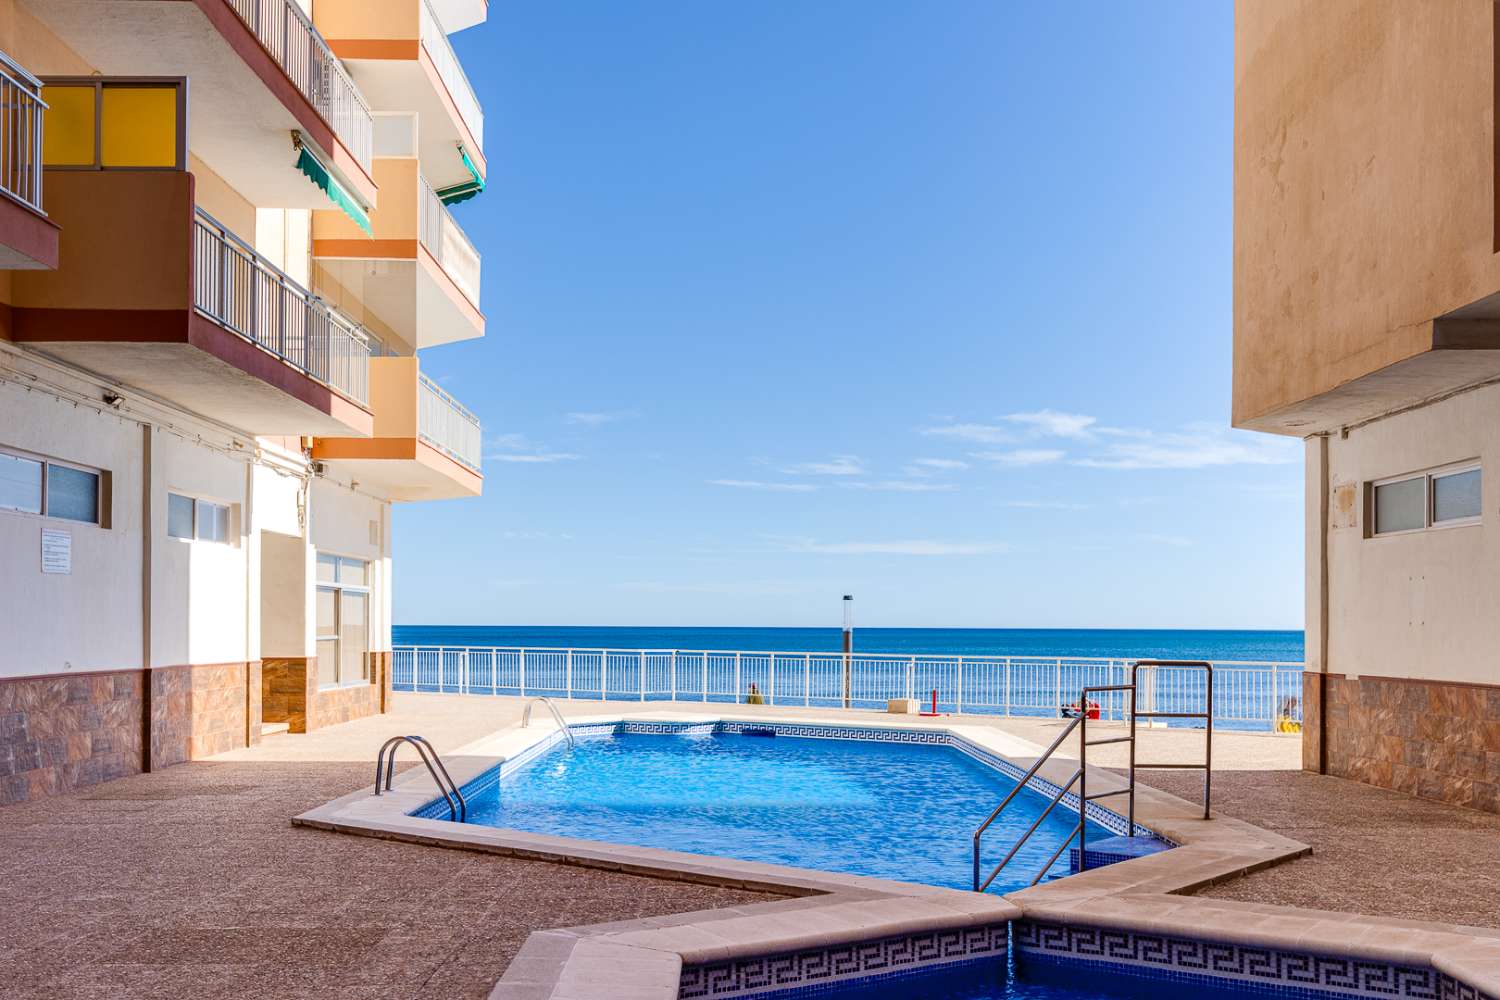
35,485
343,628
1444,498
201,519
129,123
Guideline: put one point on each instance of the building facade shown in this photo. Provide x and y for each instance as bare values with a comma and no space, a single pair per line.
225,238
1367,321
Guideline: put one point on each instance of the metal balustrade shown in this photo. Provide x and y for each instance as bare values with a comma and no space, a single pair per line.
445,239
1246,694
447,424
451,72
243,292
21,113
298,48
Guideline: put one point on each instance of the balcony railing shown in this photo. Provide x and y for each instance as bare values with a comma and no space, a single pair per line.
243,292
446,240
447,424
1247,695
21,108
312,67
451,72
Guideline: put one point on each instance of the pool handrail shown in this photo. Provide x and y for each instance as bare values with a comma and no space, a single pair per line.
556,714
429,755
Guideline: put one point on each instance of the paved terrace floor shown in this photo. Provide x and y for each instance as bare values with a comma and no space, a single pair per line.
192,883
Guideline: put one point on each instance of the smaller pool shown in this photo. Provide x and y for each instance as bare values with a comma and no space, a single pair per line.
900,810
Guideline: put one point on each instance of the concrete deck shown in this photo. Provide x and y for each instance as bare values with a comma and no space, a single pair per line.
192,882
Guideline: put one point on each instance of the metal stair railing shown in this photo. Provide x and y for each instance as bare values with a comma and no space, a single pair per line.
429,755
556,714
1079,776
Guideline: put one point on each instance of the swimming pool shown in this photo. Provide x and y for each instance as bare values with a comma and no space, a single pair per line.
881,805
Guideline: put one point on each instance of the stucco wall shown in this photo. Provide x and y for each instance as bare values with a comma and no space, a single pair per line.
1364,175
1419,605
89,619
198,594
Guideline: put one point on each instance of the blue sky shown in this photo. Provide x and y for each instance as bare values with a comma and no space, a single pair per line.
929,303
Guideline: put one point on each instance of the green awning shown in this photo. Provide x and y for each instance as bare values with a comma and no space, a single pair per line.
456,193
323,178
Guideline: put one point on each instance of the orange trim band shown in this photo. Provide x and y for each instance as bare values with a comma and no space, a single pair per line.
383,249
375,48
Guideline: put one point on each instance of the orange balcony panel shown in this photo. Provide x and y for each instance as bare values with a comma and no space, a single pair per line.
121,303
425,446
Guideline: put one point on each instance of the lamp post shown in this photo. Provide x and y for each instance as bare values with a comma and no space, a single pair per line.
848,648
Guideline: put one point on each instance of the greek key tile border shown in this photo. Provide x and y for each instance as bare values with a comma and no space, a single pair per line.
776,975
1283,973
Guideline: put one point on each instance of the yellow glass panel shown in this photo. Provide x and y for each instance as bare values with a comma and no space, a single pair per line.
139,127
68,129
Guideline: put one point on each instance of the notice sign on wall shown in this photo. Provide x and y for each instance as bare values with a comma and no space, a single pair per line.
57,551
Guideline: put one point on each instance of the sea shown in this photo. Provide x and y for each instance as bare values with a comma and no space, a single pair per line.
1165,644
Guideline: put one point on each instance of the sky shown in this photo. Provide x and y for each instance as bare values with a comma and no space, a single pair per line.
927,303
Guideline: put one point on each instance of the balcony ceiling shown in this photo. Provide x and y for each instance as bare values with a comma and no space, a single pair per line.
457,15
237,125
412,297
203,383
406,85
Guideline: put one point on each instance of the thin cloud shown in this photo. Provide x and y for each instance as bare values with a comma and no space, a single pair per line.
910,547
1199,446
585,418
516,447
841,465
755,484
1056,424
536,458
1022,456
977,433
933,466
1044,505
903,486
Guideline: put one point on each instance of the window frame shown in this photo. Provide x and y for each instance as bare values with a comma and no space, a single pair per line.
101,490
1428,479
337,587
178,83
231,536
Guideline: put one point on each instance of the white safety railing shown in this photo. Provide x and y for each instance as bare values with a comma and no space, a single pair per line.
451,72
447,424
285,32
445,239
1247,695
243,292
21,112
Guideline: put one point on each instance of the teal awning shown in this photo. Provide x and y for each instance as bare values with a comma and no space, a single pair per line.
323,178
456,193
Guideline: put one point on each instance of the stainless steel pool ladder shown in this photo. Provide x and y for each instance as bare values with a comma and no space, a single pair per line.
435,767
561,723
1080,775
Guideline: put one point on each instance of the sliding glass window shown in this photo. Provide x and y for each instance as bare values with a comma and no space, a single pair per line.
343,627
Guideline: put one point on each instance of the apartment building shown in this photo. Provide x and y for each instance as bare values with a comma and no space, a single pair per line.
225,238
1367,321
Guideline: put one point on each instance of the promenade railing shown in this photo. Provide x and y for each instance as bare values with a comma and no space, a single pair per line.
1247,694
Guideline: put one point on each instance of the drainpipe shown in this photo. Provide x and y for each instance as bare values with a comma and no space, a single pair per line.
1317,595
146,545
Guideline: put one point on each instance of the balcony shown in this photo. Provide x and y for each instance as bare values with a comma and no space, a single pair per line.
399,54
28,239
157,296
426,444
260,74
415,278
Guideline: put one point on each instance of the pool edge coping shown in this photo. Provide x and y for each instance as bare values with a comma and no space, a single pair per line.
644,959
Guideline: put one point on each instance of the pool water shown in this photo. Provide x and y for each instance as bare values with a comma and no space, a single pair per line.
892,810
1000,979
